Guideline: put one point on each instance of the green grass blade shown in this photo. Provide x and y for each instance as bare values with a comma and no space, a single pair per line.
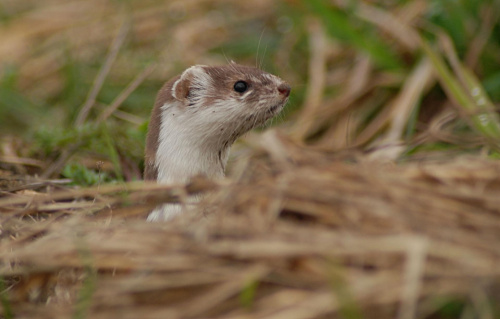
7,309
480,111
112,152
349,308
84,302
247,295
340,26
487,115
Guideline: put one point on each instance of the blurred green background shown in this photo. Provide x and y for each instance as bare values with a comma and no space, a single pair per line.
402,79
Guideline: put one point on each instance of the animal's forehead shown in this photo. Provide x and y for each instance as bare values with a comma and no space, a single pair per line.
238,72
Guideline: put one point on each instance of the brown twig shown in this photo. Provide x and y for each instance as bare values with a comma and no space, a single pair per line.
103,72
125,93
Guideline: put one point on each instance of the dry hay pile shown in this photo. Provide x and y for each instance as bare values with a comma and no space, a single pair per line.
296,233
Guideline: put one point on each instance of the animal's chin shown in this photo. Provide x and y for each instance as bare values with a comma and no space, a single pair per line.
275,109
256,119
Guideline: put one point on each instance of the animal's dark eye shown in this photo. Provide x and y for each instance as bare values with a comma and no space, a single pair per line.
240,86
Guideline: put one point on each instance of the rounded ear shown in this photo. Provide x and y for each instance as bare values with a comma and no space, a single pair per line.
181,87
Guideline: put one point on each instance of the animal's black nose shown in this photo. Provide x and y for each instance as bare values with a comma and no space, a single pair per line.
284,89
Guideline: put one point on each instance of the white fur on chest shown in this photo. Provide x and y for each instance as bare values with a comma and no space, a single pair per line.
184,151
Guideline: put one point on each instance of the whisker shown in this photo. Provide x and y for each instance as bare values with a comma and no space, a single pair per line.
258,49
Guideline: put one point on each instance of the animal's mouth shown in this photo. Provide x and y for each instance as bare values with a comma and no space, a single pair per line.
275,108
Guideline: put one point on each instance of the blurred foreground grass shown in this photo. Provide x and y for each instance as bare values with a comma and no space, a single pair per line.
404,79
397,80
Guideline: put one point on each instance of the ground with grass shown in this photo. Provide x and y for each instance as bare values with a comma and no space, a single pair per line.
375,194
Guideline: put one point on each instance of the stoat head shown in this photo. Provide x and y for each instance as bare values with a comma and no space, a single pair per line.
208,107
230,95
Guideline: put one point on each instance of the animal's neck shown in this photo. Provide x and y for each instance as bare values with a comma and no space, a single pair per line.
178,163
183,152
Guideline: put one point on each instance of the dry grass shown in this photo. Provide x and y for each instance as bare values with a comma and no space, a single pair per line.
298,234
377,199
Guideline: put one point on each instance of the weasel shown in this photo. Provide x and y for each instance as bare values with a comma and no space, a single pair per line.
198,115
